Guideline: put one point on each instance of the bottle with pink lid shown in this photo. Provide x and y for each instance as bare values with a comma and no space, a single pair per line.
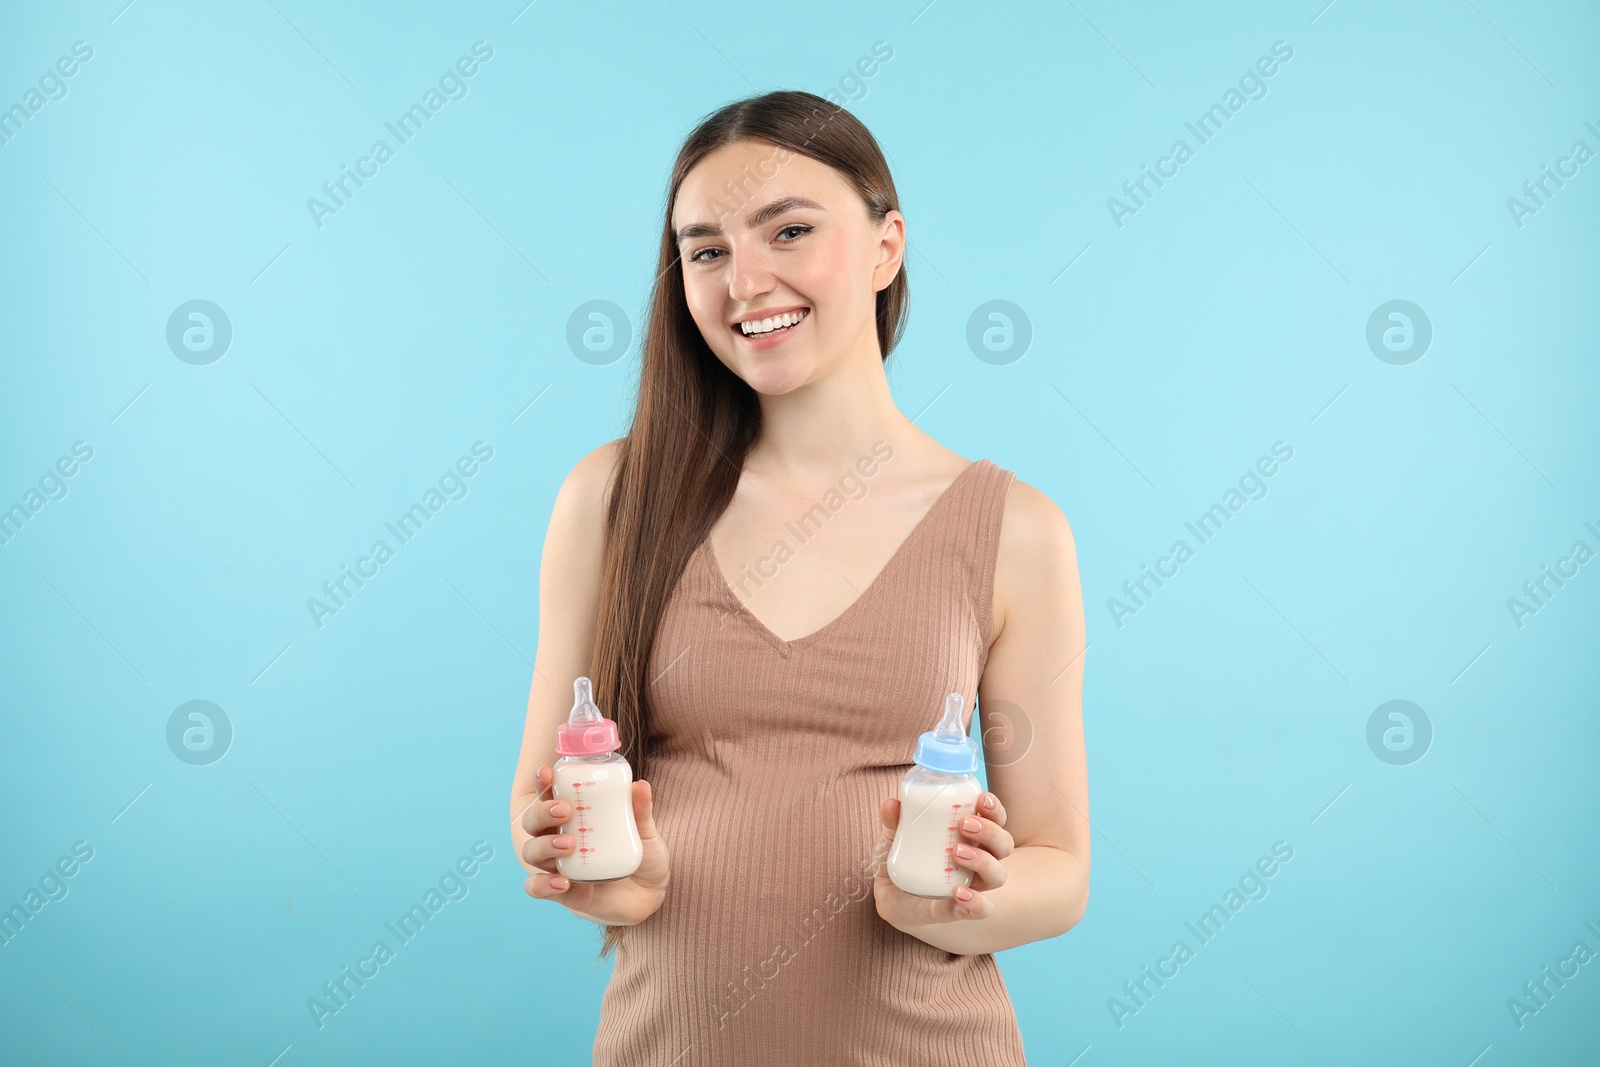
598,784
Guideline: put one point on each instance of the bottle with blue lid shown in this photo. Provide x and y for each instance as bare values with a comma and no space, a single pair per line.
935,795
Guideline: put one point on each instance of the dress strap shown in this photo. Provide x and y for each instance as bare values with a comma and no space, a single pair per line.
991,509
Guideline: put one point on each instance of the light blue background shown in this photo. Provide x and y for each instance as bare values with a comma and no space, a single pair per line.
431,312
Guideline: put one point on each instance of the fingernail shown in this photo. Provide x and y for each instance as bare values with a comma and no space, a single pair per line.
988,800
965,852
563,841
972,825
558,883
963,893
558,811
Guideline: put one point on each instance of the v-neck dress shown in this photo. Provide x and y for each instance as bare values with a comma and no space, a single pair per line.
769,761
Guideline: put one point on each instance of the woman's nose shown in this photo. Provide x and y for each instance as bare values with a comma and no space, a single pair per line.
750,277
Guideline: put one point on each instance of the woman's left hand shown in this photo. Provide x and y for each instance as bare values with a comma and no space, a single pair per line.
979,850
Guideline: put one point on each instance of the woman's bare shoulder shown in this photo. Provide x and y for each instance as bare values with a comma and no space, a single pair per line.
1037,554
578,516
591,479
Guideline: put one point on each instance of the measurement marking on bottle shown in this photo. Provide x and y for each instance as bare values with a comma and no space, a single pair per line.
578,806
955,822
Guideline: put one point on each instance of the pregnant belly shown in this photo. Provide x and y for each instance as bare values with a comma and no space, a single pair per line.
767,857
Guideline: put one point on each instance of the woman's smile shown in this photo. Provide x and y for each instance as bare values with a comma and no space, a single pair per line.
776,332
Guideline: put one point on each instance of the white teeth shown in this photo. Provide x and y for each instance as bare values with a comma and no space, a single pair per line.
767,325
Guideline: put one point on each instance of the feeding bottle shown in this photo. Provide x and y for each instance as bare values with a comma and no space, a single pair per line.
598,784
935,796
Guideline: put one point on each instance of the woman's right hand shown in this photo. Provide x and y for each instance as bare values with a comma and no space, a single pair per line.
621,903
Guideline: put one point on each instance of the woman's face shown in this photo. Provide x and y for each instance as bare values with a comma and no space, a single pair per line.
763,230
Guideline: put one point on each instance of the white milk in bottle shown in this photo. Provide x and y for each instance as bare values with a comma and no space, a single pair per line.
598,784
935,796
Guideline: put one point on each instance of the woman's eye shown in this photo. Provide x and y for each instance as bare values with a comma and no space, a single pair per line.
706,255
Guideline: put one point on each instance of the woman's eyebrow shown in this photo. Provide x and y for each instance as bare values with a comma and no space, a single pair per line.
762,215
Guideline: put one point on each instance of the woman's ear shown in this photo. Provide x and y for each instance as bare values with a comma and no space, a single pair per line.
891,250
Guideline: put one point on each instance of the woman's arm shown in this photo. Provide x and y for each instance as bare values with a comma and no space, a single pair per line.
1031,705
569,597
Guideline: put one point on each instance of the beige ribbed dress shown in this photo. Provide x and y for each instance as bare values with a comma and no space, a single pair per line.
770,759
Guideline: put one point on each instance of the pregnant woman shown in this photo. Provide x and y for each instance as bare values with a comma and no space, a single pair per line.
775,580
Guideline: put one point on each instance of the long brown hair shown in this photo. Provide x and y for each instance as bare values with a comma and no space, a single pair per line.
694,420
